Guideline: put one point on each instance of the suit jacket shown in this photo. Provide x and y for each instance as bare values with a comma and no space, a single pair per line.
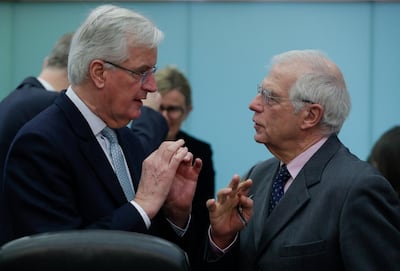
151,128
338,214
57,177
20,106
30,98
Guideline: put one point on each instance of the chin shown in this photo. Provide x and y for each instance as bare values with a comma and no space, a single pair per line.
135,113
258,139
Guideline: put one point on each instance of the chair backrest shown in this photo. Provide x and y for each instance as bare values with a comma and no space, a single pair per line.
92,250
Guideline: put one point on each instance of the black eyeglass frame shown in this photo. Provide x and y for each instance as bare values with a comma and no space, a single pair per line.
143,75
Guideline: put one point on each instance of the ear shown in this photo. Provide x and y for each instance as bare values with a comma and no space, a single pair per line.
312,115
97,72
45,62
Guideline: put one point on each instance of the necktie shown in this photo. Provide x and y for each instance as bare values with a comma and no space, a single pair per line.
277,187
118,162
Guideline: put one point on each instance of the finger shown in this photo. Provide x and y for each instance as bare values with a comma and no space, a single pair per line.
188,158
197,166
234,182
246,201
211,206
178,157
223,194
244,186
174,145
168,148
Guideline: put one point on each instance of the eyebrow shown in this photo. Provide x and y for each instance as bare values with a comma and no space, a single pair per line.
145,67
272,93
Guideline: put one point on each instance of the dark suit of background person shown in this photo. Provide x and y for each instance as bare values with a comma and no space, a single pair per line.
385,156
151,127
34,94
176,104
338,213
57,174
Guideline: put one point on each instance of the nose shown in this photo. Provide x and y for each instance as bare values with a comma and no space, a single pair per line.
256,104
149,83
164,112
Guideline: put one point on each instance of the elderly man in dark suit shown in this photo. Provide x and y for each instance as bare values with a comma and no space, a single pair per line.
35,94
315,205
77,166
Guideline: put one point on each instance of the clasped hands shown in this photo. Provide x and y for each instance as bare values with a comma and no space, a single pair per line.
168,181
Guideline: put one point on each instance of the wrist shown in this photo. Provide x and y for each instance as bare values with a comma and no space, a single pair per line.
222,241
179,218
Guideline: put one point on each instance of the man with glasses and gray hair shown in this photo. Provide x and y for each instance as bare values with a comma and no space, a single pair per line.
315,205
77,166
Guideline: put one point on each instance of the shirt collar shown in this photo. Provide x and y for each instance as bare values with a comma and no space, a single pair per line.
46,84
96,124
299,161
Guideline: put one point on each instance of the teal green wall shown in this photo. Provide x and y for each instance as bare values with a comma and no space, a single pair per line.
224,49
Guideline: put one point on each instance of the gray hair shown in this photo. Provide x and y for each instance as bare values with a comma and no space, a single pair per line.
108,33
58,57
319,81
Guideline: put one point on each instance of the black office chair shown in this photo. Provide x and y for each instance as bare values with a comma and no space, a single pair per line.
95,250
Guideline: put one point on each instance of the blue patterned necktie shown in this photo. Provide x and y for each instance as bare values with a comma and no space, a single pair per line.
118,162
277,187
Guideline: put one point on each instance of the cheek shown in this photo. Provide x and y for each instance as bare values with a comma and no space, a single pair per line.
175,124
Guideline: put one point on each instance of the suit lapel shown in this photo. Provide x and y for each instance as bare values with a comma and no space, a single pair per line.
294,198
97,159
297,196
261,199
91,148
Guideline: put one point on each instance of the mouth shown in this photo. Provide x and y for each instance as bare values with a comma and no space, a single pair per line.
256,125
138,100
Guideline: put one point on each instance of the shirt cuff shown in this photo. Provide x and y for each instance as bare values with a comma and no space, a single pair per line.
178,230
145,217
217,250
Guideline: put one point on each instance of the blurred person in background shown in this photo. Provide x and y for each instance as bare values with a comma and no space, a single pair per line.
175,106
34,94
385,156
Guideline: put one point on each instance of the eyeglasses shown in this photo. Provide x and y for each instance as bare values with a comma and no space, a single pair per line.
271,99
268,97
174,112
143,75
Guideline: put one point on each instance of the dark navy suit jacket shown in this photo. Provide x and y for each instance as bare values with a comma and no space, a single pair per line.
57,177
20,106
30,98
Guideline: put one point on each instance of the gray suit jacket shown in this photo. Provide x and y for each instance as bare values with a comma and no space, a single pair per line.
338,214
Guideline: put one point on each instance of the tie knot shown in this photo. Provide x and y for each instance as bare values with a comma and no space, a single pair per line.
283,173
110,134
